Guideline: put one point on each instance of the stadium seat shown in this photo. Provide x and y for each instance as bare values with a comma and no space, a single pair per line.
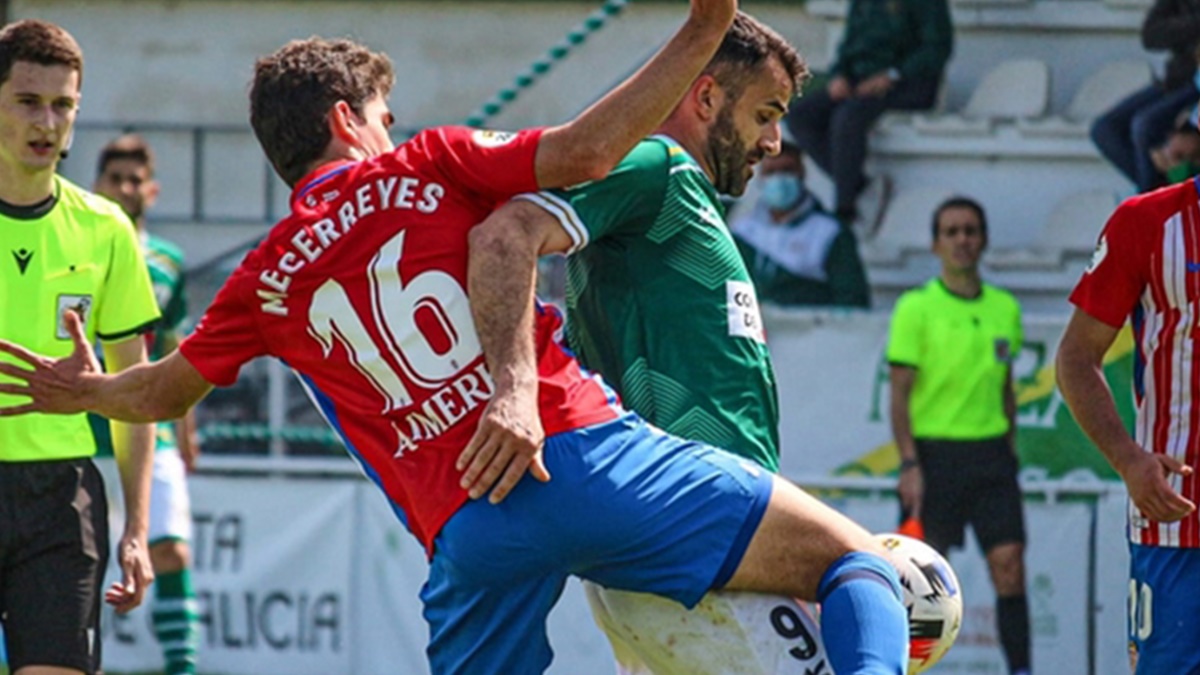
905,227
1069,231
1099,92
1013,89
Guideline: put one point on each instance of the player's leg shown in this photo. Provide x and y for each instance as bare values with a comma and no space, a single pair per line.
805,549
681,518
56,557
174,612
727,632
1163,606
997,515
492,581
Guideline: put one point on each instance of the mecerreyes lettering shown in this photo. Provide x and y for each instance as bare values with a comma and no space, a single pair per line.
309,244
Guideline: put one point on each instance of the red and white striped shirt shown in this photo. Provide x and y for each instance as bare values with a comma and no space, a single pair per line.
1147,268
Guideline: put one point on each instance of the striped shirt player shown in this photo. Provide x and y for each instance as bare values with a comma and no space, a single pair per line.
361,290
1147,269
660,303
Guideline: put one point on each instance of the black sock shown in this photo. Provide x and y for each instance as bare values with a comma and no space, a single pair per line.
1012,618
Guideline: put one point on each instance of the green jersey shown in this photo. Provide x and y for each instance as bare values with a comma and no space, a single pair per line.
962,349
660,303
165,263
77,252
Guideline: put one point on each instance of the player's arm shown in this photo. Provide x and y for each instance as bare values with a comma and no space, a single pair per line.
1009,397
146,392
589,146
912,485
1080,372
501,280
133,446
185,427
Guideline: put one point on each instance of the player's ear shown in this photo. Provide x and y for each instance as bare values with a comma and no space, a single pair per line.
706,97
152,190
343,123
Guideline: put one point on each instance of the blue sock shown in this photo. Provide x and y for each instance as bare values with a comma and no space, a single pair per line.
863,621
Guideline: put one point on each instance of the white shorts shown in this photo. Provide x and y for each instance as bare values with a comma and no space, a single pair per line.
170,508
728,632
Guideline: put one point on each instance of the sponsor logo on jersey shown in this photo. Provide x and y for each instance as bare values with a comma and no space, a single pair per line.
1099,255
80,304
489,138
742,304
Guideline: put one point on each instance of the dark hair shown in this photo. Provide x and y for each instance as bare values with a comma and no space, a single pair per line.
295,88
39,42
960,202
747,44
128,146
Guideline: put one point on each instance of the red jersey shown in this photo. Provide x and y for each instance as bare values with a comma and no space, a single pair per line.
362,291
1147,268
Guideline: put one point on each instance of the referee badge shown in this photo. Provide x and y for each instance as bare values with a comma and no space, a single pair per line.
1003,350
80,304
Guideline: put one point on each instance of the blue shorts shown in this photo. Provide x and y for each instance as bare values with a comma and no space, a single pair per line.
1164,606
627,506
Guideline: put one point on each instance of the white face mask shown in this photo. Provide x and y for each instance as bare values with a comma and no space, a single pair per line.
781,191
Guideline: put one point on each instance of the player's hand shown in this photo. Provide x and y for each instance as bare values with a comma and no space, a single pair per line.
507,443
54,385
136,575
911,489
1146,478
839,88
875,86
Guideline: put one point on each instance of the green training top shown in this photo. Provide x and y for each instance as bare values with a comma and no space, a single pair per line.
165,262
80,253
962,350
660,303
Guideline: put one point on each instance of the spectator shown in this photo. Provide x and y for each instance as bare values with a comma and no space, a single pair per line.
796,252
891,57
1179,158
1141,121
953,412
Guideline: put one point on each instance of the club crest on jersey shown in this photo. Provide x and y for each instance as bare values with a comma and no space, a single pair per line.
80,304
1098,256
489,138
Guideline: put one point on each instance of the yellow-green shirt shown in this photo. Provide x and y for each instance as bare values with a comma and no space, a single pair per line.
961,349
81,253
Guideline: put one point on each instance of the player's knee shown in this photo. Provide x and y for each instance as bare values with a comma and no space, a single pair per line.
859,566
170,555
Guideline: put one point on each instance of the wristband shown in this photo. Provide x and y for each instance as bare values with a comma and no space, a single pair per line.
906,464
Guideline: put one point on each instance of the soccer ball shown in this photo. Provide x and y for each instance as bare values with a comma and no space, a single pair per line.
932,597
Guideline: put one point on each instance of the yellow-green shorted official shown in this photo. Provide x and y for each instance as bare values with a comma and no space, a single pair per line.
81,254
962,349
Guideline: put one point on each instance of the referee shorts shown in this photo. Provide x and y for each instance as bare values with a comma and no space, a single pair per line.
970,483
628,506
53,554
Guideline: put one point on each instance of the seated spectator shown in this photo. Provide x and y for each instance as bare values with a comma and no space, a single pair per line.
1127,134
891,57
796,252
1179,158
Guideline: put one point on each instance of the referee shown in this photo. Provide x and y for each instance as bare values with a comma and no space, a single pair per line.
950,352
62,249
